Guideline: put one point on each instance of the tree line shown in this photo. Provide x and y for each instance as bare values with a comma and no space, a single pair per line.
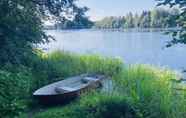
157,18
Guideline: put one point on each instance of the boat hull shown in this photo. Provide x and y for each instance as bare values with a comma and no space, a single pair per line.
56,99
63,98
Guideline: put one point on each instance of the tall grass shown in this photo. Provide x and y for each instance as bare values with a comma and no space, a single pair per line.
59,65
148,91
64,64
151,91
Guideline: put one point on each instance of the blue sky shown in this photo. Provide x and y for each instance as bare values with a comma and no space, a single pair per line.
102,8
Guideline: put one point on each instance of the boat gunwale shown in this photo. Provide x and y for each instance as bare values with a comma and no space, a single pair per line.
37,93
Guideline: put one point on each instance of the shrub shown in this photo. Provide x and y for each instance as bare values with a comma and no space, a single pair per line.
94,105
103,105
15,92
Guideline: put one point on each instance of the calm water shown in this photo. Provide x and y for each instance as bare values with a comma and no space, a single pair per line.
132,47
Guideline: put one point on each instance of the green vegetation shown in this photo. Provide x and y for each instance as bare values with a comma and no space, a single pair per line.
157,18
141,92
95,105
180,35
152,91
21,26
15,90
71,64
18,83
80,21
22,69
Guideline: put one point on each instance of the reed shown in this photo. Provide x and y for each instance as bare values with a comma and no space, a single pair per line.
152,91
146,90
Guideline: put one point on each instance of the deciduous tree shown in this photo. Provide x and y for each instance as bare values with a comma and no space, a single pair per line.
21,25
179,36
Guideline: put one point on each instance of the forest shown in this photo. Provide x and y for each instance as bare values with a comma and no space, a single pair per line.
157,18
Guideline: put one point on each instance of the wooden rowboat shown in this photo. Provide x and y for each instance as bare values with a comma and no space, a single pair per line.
68,89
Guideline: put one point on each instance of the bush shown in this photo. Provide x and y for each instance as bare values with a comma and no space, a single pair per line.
15,92
151,91
102,105
94,105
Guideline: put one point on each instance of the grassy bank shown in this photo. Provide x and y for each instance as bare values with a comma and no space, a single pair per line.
141,91
17,83
152,92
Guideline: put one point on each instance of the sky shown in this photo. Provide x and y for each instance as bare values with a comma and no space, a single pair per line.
102,8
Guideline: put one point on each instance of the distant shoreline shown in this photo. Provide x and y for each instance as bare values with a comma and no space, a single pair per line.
122,30
138,29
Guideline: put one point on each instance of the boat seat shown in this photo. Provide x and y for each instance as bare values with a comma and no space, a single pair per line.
88,79
64,89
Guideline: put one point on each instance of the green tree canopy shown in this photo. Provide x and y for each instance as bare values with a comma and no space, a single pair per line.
21,25
179,36
79,21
